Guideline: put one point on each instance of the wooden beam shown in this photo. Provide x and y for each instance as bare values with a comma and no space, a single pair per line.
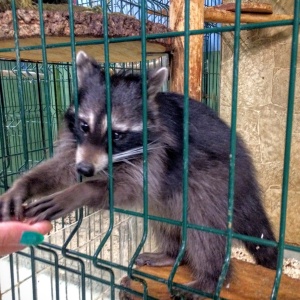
162,12
87,26
249,281
215,15
196,47
263,8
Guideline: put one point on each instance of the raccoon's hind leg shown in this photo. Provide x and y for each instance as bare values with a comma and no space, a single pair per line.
168,244
205,254
159,259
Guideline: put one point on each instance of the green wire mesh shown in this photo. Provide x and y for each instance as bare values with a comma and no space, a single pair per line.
33,98
34,106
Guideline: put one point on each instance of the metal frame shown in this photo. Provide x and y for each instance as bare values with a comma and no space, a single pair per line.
106,266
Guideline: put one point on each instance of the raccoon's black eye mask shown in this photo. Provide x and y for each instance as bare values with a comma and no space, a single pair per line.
124,141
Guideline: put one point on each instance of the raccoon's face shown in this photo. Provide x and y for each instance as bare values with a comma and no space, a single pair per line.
90,125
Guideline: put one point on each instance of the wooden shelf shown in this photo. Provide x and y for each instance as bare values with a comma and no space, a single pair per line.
249,282
118,52
87,26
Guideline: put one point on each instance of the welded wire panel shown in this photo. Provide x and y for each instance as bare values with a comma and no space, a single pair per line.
211,63
57,277
157,10
89,252
36,111
124,21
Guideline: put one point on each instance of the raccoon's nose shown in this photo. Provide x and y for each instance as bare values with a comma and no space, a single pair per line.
85,169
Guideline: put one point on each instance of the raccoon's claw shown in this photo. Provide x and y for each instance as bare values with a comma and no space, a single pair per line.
49,208
43,209
11,207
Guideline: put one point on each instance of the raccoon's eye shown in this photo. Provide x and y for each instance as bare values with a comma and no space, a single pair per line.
84,127
117,136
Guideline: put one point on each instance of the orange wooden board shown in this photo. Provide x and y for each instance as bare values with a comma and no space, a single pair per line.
118,52
249,282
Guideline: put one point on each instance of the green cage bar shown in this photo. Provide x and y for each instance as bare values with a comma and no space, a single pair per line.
56,94
185,161
20,86
232,147
46,81
110,163
287,153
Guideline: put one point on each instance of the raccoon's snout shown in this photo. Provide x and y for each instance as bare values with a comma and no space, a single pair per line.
85,169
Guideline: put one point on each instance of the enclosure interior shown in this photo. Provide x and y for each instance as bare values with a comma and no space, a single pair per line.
29,127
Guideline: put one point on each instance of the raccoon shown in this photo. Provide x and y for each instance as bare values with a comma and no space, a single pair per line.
83,148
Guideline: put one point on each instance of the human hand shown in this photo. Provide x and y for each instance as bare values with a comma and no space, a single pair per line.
15,236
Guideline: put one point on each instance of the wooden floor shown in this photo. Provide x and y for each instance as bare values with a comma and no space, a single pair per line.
249,282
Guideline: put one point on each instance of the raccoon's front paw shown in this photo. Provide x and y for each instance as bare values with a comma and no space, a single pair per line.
11,204
49,208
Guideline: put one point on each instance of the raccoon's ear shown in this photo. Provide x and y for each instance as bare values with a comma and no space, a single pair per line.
156,79
86,67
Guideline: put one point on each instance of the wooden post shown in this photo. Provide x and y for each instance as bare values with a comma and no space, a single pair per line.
196,47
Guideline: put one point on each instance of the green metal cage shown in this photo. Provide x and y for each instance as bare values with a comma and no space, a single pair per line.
90,251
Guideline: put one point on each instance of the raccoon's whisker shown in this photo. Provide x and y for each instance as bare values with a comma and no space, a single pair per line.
154,141
131,164
127,154
134,152
105,173
155,146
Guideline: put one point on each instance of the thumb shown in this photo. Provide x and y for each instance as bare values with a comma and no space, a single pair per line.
15,236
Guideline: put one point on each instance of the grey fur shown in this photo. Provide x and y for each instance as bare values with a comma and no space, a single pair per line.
208,171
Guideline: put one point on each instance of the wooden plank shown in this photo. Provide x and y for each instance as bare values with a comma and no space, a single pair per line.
87,26
249,282
161,12
118,52
196,48
212,14
263,8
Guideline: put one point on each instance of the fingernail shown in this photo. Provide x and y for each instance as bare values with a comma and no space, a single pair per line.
31,238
